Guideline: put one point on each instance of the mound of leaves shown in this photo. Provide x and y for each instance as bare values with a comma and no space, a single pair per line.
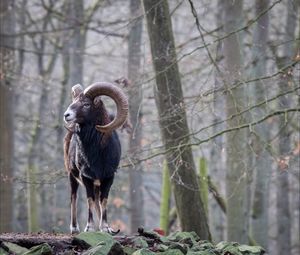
144,243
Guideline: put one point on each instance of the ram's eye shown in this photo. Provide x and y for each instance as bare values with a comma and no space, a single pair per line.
86,105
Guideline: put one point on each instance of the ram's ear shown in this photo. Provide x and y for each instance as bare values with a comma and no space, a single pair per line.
76,91
98,101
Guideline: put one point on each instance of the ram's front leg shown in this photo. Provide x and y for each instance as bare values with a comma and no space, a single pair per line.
98,206
74,228
89,186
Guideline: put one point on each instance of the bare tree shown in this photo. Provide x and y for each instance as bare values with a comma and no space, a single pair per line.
173,121
262,159
283,201
135,112
236,172
6,113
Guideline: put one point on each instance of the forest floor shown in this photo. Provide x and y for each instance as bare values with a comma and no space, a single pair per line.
143,243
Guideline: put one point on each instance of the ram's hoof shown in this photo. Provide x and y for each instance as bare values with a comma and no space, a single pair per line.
89,228
109,230
74,229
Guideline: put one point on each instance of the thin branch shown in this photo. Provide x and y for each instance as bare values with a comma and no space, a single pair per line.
246,125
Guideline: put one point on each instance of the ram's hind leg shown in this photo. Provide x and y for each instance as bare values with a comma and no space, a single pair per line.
89,186
74,227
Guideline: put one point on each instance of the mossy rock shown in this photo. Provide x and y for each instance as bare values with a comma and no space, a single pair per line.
14,248
100,243
129,250
185,237
42,249
140,243
203,246
171,252
92,239
201,253
237,249
251,250
3,252
105,248
143,252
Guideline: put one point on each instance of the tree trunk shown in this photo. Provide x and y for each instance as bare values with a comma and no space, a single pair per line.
283,203
77,42
137,217
72,65
216,167
203,183
165,199
261,155
6,113
173,121
36,145
236,172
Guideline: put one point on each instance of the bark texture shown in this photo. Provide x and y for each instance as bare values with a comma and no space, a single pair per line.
283,189
137,218
173,121
6,113
236,172
216,163
261,156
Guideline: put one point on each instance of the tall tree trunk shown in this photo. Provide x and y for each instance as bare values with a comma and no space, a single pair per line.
164,218
283,203
135,111
36,145
216,164
236,172
173,121
6,113
261,155
72,65
77,43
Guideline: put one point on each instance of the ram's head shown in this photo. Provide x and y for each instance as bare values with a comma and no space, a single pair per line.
87,106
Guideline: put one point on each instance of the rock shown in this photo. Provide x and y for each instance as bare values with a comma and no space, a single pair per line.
3,252
237,249
129,250
105,248
92,239
139,242
100,243
14,248
251,250
143,252
42,249
171,252
184,236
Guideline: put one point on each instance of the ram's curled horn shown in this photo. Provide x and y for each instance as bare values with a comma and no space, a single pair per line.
76,90
114,92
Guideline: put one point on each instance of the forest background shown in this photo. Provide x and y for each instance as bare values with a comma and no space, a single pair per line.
232,79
